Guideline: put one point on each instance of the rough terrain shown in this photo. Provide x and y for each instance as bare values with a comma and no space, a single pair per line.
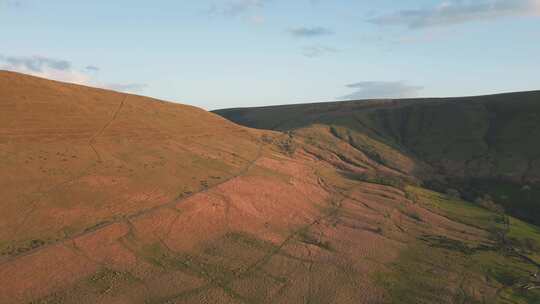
115,198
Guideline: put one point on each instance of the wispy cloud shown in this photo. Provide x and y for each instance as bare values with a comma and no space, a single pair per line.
11,3
62,70
317,51
41,66
236,7
126,87
257,19
382,89
453,12
310,32
92,68
35,63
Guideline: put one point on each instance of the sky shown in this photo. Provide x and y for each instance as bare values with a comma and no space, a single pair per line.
238,53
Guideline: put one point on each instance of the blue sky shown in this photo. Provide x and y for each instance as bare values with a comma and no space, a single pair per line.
231,53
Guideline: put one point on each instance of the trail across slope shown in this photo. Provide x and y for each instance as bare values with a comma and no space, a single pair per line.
100,131
140,213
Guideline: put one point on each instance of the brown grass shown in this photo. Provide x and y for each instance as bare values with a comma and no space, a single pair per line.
132,200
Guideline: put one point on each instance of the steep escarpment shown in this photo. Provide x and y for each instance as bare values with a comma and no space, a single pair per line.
480,137
446,143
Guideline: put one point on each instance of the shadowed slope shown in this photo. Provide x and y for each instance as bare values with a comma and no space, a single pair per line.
466,143
484,136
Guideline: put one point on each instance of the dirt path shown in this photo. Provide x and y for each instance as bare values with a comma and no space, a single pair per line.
132,216
91,142
92,139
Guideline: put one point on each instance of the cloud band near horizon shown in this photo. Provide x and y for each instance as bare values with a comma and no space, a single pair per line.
458,11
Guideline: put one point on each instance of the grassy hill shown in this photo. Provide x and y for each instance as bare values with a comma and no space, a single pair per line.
446,143
74,157
116,198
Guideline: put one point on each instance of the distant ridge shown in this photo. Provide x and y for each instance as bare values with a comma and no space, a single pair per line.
489,137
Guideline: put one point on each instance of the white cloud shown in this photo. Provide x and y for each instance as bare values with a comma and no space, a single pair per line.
126,87
11,3
382,89
236,7
45,67
317,50
257,19
310,32
92,68
62,70
459,11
